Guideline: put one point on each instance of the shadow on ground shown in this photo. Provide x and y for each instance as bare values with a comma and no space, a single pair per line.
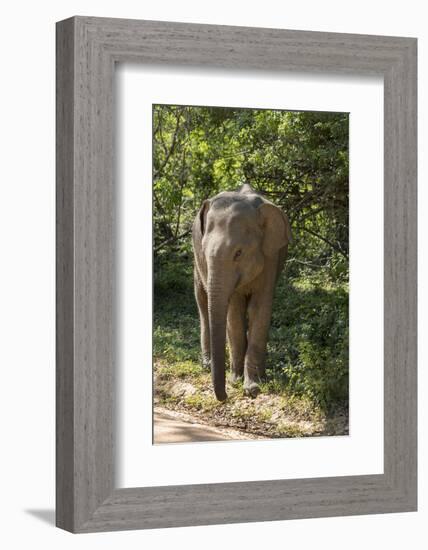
47,515
169,429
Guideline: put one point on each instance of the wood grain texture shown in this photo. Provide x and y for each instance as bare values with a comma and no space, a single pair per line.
64,276
87,49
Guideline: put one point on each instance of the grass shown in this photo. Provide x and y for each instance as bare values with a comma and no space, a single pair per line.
306,387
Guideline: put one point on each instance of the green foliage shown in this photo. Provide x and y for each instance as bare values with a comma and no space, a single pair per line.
180,369
298,160
175,317
201,402
308,345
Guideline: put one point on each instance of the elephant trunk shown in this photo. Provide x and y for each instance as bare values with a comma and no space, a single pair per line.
218,298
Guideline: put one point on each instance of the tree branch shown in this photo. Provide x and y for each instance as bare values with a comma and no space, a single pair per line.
168,154
171,240
332,245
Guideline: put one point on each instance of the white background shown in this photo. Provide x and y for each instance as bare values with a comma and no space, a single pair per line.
27,272
362,451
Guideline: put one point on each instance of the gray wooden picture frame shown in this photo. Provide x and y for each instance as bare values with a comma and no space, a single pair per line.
87,50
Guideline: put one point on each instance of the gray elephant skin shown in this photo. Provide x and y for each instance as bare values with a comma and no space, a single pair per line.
240,243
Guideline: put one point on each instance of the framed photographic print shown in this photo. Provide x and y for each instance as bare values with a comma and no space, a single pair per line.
236,274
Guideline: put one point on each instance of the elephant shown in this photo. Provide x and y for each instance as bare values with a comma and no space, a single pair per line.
240,243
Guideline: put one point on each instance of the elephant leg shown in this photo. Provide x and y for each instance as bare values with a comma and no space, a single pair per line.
237,335
202,301
259,318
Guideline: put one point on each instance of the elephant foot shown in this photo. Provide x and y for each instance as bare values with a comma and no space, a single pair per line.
252,389
235,378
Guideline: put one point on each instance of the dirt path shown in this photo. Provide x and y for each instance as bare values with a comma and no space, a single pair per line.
173,427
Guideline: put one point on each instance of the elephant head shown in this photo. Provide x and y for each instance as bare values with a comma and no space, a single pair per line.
238,232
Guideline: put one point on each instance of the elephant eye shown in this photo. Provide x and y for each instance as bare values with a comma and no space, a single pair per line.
237,254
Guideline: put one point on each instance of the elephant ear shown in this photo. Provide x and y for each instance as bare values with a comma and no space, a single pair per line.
200,220
276,228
